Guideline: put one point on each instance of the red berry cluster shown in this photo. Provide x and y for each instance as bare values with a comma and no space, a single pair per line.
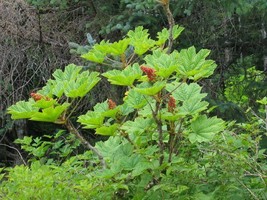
171,104
38,97
111,104
150,72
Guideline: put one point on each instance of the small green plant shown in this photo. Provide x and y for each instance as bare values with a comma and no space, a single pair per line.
54,148
161,143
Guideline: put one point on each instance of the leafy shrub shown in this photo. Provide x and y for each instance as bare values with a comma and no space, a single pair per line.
161,143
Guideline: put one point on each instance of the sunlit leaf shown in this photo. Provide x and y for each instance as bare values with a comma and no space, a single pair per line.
94,56
50,114
91,120
70,72
125,77
263,101
135,99
164,64
43,103
80,86
107,130
148,89
22,110
177,30
163,36
139,39
119,48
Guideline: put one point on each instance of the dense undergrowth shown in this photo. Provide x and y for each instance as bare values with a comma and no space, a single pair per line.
160,139
161,142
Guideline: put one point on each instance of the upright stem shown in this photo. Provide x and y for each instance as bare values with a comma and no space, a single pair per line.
166,7
74,131
160,131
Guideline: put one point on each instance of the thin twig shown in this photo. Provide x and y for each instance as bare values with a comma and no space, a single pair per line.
252,194
24,162
74,131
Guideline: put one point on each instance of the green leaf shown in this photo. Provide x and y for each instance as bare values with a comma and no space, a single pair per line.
171,116
107,130
177,30
204,129
193,65
192,107
91,120
184,91
163,36
22,110
80,86
148,89
43,103
118,48
70,72
138,126
263,101
103,108
135,99
94,56
190,95
109,147
164,64
125,77
139,39
71,82
50,114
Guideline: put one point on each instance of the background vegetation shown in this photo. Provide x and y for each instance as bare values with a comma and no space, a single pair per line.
38,37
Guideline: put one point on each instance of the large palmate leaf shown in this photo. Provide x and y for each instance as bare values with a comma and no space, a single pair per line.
80,86
71,82
125,77
91,120
204,129
139,39
43,103
107,130
50,114
118,48
192,107
95,119
70,72
135,99
184,91
194,65
190,95
163,36
176,31
22,110
164,64
104,109
150,89
138,126
109,147
94,56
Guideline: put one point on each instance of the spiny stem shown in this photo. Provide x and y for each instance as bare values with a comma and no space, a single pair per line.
160,131
74,131
159,127
178,135
171,128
